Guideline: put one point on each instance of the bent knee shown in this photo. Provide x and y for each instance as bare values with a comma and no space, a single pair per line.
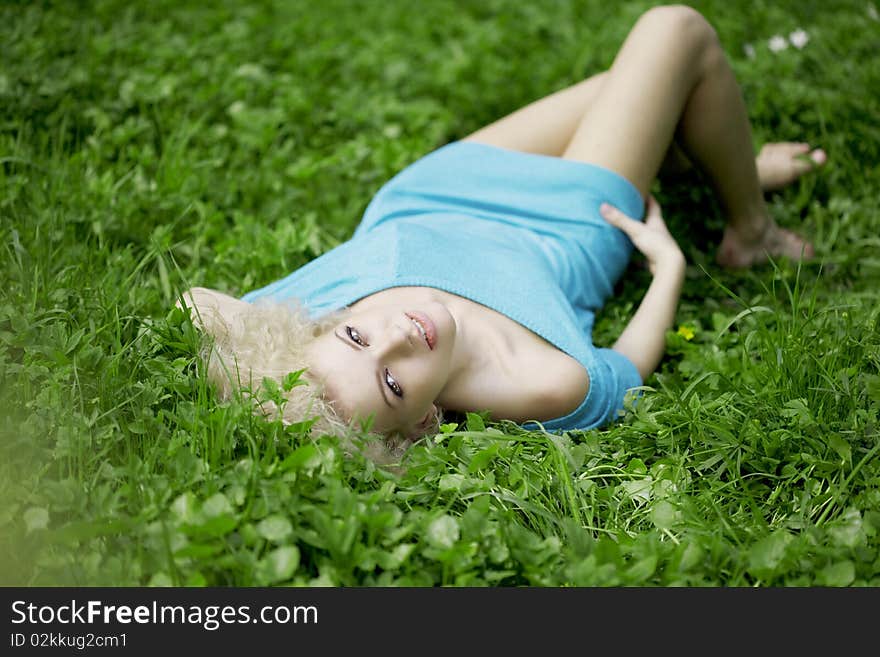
680,22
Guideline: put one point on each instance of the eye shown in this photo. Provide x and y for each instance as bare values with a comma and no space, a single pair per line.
394,385
356,337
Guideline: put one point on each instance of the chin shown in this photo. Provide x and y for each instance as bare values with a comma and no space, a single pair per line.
445,323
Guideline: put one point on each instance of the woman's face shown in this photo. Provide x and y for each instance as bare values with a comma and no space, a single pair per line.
388,361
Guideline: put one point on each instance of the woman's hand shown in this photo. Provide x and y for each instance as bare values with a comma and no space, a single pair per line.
643,340
650,237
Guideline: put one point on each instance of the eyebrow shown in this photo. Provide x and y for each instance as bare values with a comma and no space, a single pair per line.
378,377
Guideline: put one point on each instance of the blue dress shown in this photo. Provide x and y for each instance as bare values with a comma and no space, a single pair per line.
517,232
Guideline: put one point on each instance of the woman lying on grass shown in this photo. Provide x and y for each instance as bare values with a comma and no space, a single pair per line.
474,276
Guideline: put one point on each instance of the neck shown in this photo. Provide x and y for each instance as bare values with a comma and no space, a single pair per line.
471,357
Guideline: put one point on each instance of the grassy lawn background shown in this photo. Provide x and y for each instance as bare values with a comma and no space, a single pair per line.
147,147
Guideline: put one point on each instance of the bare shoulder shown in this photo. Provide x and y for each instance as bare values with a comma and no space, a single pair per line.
528,378
557,384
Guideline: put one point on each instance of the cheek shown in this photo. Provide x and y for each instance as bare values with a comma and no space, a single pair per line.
425,380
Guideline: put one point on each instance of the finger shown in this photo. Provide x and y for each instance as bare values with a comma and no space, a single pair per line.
653,207
617,218
615,215
654,214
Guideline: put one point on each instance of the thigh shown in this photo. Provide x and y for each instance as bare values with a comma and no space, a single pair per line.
545,126
629,126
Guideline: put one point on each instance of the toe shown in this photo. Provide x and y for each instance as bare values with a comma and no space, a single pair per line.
807,161
781,163
784,149
796,247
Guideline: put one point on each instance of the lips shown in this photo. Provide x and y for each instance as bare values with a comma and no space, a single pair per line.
426,327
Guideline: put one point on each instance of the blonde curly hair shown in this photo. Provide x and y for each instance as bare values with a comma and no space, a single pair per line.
246,343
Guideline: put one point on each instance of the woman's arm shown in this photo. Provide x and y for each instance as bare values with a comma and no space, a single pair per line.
643,340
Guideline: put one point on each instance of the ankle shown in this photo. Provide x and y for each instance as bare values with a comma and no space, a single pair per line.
751,227
749,233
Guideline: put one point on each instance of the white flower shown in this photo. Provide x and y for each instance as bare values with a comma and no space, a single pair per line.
236,108
749,50
872,12
252,71
777,43
799,38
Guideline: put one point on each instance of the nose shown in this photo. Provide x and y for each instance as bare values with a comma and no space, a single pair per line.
396,341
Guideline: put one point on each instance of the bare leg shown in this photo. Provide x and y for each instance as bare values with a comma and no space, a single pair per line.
671,79
711,122
547,125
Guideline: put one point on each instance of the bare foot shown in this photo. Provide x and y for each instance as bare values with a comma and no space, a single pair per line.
737,252
779,164
782,163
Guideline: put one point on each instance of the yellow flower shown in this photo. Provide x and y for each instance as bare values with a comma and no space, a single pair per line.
686,332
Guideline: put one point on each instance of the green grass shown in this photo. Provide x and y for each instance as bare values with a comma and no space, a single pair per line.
147,147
